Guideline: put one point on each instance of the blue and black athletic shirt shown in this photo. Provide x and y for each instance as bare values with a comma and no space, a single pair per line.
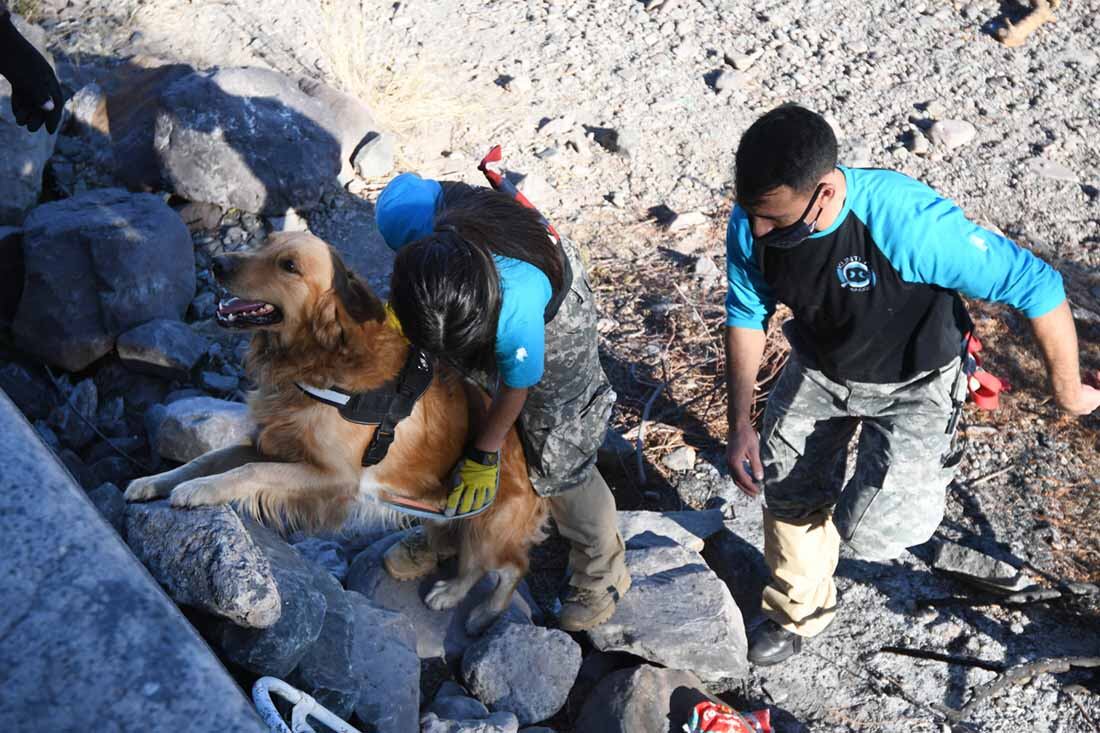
876,295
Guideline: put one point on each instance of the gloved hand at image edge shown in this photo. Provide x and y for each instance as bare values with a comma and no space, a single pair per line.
474,484
35,94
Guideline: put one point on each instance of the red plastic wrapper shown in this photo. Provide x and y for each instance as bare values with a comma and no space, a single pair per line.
711,717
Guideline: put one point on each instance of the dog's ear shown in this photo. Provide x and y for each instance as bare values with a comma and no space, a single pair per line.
354,295
326,325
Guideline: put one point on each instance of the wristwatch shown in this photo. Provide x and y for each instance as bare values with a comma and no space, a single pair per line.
485,458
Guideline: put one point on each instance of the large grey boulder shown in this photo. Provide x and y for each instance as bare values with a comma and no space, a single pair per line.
11,271
133,94
190,427
438,633
327,670
97,265
521,669
641,699
387,667
277,649
678,614
205,558
246,138
346,118
690,529
363,661
87,639
24,153
736,555
163,348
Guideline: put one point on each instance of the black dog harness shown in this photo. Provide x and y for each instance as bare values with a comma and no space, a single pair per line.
386,406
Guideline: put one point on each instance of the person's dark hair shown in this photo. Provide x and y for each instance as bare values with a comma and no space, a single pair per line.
789,146
445,291
498,222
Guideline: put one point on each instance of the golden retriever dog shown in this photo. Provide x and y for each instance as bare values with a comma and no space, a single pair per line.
315,323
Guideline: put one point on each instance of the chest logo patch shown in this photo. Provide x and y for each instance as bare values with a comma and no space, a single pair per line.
855,275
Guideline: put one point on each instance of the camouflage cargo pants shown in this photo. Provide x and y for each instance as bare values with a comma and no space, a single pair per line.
563,425
565,418
894,499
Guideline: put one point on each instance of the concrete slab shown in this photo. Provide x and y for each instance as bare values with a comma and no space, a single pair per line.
88,641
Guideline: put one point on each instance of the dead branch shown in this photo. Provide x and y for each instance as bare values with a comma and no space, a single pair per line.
1015,34
639,445
989,476
1037,595
1084,713
1019,674
948,658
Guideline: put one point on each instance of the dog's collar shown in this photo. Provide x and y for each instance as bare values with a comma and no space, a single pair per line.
385,407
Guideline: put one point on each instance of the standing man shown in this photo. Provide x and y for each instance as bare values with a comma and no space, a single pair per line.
35,94
872,263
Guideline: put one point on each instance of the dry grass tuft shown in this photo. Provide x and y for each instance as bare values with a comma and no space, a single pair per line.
363,60
29,9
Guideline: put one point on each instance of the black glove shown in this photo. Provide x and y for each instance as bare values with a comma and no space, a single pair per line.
35,93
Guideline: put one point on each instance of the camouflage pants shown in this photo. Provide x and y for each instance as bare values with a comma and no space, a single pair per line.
894,499
562,426
565,418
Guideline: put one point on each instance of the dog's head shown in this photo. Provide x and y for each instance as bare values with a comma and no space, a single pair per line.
295,283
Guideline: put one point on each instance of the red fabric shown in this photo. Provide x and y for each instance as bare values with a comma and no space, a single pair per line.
984,388
502,184
711,717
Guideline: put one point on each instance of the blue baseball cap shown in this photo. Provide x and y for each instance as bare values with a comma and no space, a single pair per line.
405,211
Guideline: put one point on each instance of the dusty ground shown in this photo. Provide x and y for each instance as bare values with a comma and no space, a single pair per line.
647,136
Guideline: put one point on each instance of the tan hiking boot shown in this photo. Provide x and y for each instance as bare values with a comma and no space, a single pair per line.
412,557
585,608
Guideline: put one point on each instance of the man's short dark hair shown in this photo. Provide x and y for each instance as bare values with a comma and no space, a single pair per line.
789,146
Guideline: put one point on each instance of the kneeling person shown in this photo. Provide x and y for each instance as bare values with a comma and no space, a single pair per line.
479,281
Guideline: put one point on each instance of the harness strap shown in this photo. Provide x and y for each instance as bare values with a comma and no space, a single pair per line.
335,397
413,381
502,184
385,407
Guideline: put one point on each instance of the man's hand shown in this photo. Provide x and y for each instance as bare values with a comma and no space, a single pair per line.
35,94
1057,339
474,484
1088,397
743,446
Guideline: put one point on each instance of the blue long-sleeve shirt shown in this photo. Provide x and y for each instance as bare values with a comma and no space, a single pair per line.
875,296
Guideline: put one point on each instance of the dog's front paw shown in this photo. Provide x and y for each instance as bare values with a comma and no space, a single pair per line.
148,488
198,492
443,595
481,618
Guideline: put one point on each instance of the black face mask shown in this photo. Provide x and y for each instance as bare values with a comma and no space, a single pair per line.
795,234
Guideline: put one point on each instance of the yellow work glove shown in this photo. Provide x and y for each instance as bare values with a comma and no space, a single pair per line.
474,484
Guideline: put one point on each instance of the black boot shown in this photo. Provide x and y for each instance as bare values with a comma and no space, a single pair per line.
772,644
